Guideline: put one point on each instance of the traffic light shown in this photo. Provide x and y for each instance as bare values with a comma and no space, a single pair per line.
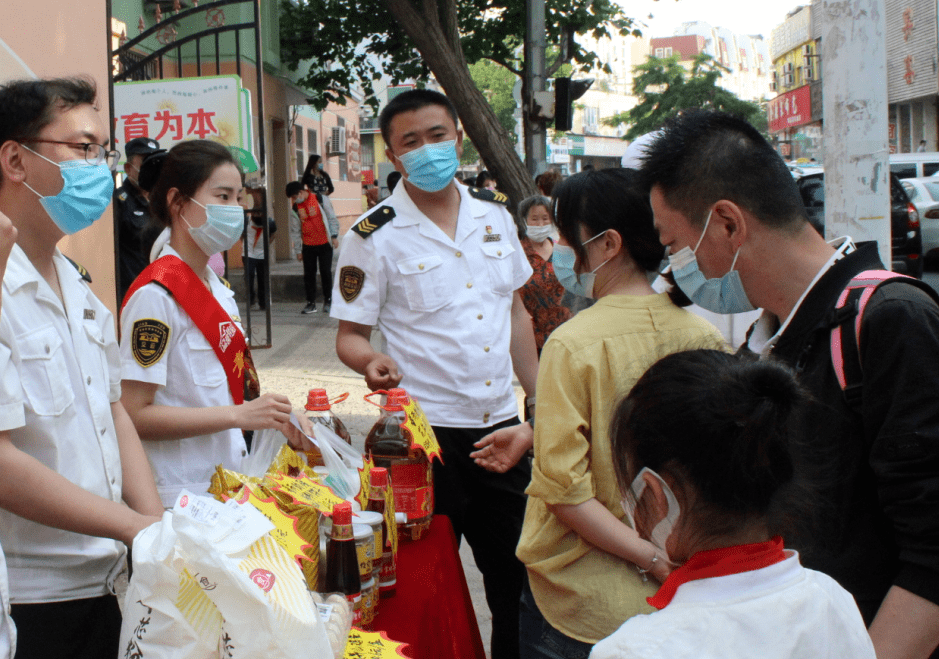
566,91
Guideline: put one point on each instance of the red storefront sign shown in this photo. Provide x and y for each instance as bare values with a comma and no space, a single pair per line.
793,108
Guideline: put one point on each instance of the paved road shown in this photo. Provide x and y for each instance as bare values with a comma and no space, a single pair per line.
303,356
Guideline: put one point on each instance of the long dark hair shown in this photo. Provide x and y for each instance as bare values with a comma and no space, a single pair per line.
185,167
723,426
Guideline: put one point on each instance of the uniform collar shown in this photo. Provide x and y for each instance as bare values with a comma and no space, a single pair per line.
20,270
215,283
408,214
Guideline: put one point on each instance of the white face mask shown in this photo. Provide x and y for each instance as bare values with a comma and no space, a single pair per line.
661,532
222,229
538,233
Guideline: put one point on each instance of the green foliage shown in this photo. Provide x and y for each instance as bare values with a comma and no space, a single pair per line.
351,42
470,154
665,87
496,83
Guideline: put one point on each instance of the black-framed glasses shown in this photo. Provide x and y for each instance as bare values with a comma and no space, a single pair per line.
95,154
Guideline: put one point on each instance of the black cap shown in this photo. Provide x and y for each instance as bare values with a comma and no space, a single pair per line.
141,146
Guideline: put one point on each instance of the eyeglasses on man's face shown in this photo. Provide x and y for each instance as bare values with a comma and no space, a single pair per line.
95,154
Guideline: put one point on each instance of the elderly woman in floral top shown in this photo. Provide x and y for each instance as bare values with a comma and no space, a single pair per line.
543,292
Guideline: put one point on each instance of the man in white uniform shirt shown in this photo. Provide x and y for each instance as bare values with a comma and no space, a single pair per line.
69,453
437,267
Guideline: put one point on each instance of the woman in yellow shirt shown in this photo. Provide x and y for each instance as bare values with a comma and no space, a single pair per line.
587,568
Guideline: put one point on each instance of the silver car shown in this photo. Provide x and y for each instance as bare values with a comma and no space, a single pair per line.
924,193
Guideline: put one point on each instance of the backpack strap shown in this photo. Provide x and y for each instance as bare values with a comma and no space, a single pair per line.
846,330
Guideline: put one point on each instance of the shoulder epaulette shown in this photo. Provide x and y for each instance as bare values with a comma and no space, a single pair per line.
374,221
81,269
485,194
122,195
224,281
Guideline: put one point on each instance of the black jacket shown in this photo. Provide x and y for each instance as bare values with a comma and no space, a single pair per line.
875,469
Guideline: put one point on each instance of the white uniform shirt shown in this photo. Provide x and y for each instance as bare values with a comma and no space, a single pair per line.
189,374
59,374
782,611
443,306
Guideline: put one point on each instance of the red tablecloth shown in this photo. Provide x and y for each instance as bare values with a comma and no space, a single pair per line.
432,610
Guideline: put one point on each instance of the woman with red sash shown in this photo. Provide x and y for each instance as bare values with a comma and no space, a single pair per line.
701,452
183,352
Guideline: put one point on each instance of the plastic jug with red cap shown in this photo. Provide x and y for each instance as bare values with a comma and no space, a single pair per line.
319,410
412,479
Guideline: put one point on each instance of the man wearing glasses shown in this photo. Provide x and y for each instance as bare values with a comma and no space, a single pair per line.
69,453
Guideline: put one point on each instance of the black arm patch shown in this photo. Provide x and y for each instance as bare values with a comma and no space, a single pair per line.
374,221
485,194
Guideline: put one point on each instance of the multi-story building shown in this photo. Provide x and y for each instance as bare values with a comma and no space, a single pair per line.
795,114
912,74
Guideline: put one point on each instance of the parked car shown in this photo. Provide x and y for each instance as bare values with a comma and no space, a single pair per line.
924,193
905,236
914,165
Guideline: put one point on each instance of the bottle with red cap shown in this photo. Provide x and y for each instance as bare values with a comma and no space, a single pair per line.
412,480
342,562
319,410
378,485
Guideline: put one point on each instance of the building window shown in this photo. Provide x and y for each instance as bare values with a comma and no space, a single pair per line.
312,143
298,145
343,166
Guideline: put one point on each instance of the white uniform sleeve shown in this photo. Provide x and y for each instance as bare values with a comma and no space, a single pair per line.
359,283
112,353
12,410
150,303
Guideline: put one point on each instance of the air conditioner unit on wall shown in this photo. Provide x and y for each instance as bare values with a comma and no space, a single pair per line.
337,139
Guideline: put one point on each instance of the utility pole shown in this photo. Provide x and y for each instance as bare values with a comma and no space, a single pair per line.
536,127
854,89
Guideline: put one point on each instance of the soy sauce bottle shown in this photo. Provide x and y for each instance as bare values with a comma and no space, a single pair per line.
412,479
342,563
388,577
319,410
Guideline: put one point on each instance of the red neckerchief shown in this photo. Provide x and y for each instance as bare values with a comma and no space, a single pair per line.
175,275
719,563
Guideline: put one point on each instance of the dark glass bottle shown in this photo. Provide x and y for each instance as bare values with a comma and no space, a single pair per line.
388,577
412,479
342,563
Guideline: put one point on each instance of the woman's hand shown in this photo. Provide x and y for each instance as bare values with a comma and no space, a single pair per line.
660,567
266,411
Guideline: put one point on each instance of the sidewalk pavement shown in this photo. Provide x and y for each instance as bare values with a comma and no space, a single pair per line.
303,357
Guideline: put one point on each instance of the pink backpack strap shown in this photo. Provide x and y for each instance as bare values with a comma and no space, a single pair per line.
846,334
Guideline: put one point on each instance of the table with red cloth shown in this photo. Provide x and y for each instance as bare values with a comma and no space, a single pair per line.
432,610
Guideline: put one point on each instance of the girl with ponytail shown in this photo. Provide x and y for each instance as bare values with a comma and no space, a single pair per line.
702,453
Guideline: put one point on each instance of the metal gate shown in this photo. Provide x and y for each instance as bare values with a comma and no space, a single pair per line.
203,51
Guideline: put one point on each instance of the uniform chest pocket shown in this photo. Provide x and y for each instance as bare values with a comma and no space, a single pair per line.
500,266
424,283
206,369
45,376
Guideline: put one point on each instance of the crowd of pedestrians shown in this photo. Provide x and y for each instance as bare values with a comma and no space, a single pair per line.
667,494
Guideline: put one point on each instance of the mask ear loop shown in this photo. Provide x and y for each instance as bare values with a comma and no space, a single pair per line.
704,231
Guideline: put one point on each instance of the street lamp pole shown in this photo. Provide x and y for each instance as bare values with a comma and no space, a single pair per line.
536,133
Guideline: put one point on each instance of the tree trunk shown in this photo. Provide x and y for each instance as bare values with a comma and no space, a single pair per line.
434,32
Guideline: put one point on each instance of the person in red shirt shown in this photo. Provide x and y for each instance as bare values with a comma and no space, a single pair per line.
313,236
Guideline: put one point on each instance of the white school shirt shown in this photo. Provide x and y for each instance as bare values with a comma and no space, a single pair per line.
444,306
59,375
189,374
783,611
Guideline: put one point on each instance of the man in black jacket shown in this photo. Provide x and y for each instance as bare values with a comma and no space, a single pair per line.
732,219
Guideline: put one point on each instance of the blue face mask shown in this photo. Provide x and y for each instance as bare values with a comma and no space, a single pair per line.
86,193
722,295
432,166
222,229
563,258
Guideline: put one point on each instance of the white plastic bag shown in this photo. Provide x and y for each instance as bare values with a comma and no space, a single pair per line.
154,626
342,461
265,447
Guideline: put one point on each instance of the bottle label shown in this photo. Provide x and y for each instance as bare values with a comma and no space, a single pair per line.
422,435
388,574
342,532
413,489
365,552
356,601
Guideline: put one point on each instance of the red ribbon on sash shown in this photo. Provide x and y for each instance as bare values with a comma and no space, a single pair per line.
190,292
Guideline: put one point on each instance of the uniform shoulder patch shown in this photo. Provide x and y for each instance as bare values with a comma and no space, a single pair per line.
351,280
225,282
372,222
148,341
122,195
485,194
81,269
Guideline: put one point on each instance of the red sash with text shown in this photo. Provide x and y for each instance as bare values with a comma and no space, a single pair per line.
175,275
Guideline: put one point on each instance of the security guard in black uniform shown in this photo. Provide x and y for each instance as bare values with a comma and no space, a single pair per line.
136,232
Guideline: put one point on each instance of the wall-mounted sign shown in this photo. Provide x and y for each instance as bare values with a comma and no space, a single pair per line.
793,108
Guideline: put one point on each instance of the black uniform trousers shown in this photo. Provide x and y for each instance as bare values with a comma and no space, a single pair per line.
322,256
77,629
488,508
